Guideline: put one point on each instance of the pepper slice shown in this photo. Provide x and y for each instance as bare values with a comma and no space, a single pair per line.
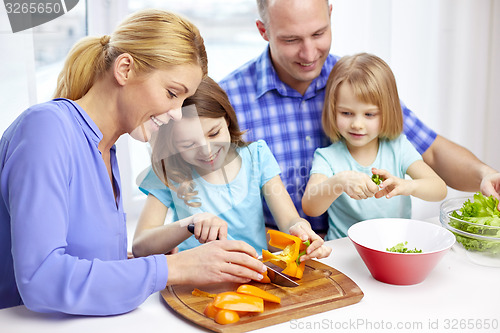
201,293
292,247
249,289
225,317
210,310
231,300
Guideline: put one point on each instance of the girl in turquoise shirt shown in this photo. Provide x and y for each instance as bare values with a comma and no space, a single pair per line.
216,181
363,118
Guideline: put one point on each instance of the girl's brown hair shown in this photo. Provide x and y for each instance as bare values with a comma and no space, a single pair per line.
372,82
156,39
209,101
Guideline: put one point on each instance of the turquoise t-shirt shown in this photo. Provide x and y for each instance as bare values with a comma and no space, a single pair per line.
394,156
239,202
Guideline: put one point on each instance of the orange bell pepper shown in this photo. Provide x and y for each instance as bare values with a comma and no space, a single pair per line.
201,293
210,310
292,247
248,289
231,300
224,317
227,307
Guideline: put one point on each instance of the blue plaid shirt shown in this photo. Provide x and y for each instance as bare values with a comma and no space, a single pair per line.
290,123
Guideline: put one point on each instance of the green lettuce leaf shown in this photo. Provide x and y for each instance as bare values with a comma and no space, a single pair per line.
481,207
484,214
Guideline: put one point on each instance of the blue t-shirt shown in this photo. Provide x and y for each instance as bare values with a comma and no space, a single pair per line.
239,202
394,156
63,236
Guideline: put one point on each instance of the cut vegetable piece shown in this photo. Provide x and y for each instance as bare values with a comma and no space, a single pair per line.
231,300
248,289
225,317
201,293
210,310
287,259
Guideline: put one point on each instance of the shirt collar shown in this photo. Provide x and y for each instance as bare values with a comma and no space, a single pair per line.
88,125
269,80
320,82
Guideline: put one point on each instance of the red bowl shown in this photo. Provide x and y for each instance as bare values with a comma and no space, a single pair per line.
371,238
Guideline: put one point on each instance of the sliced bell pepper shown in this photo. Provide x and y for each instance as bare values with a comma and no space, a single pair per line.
231,300
210,310
225,317
201,293
248,289
292,247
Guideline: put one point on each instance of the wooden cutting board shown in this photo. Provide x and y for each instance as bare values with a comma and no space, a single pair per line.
322,288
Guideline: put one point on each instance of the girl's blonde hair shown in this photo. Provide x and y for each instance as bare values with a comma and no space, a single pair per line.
156,39
209,101
373,82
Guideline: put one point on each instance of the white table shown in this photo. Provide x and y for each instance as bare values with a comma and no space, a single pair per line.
458,296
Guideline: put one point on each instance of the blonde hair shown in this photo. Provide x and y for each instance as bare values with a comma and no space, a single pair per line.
372,82
209,101
156,39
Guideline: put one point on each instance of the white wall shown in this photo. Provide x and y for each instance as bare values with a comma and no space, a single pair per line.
17,72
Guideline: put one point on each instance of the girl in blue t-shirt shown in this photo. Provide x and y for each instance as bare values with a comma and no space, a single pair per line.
362,116
215,180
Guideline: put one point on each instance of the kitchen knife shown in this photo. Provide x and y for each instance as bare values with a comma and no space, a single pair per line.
190,228
273,271
276,277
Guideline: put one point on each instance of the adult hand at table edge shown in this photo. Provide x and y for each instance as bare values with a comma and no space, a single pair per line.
214,262
490,185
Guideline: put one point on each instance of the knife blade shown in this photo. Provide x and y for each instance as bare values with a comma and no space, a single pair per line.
276,277
273,271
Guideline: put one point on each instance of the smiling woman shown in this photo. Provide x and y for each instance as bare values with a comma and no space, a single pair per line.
159,90
59,159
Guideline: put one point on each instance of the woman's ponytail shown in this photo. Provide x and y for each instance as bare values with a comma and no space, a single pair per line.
156,39
85,62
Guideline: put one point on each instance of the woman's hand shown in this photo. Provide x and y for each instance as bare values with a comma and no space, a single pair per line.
209,227
317,248
214,262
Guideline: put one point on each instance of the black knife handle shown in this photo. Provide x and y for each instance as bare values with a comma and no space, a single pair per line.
190,228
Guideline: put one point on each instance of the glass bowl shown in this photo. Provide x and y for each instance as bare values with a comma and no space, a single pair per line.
479,243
